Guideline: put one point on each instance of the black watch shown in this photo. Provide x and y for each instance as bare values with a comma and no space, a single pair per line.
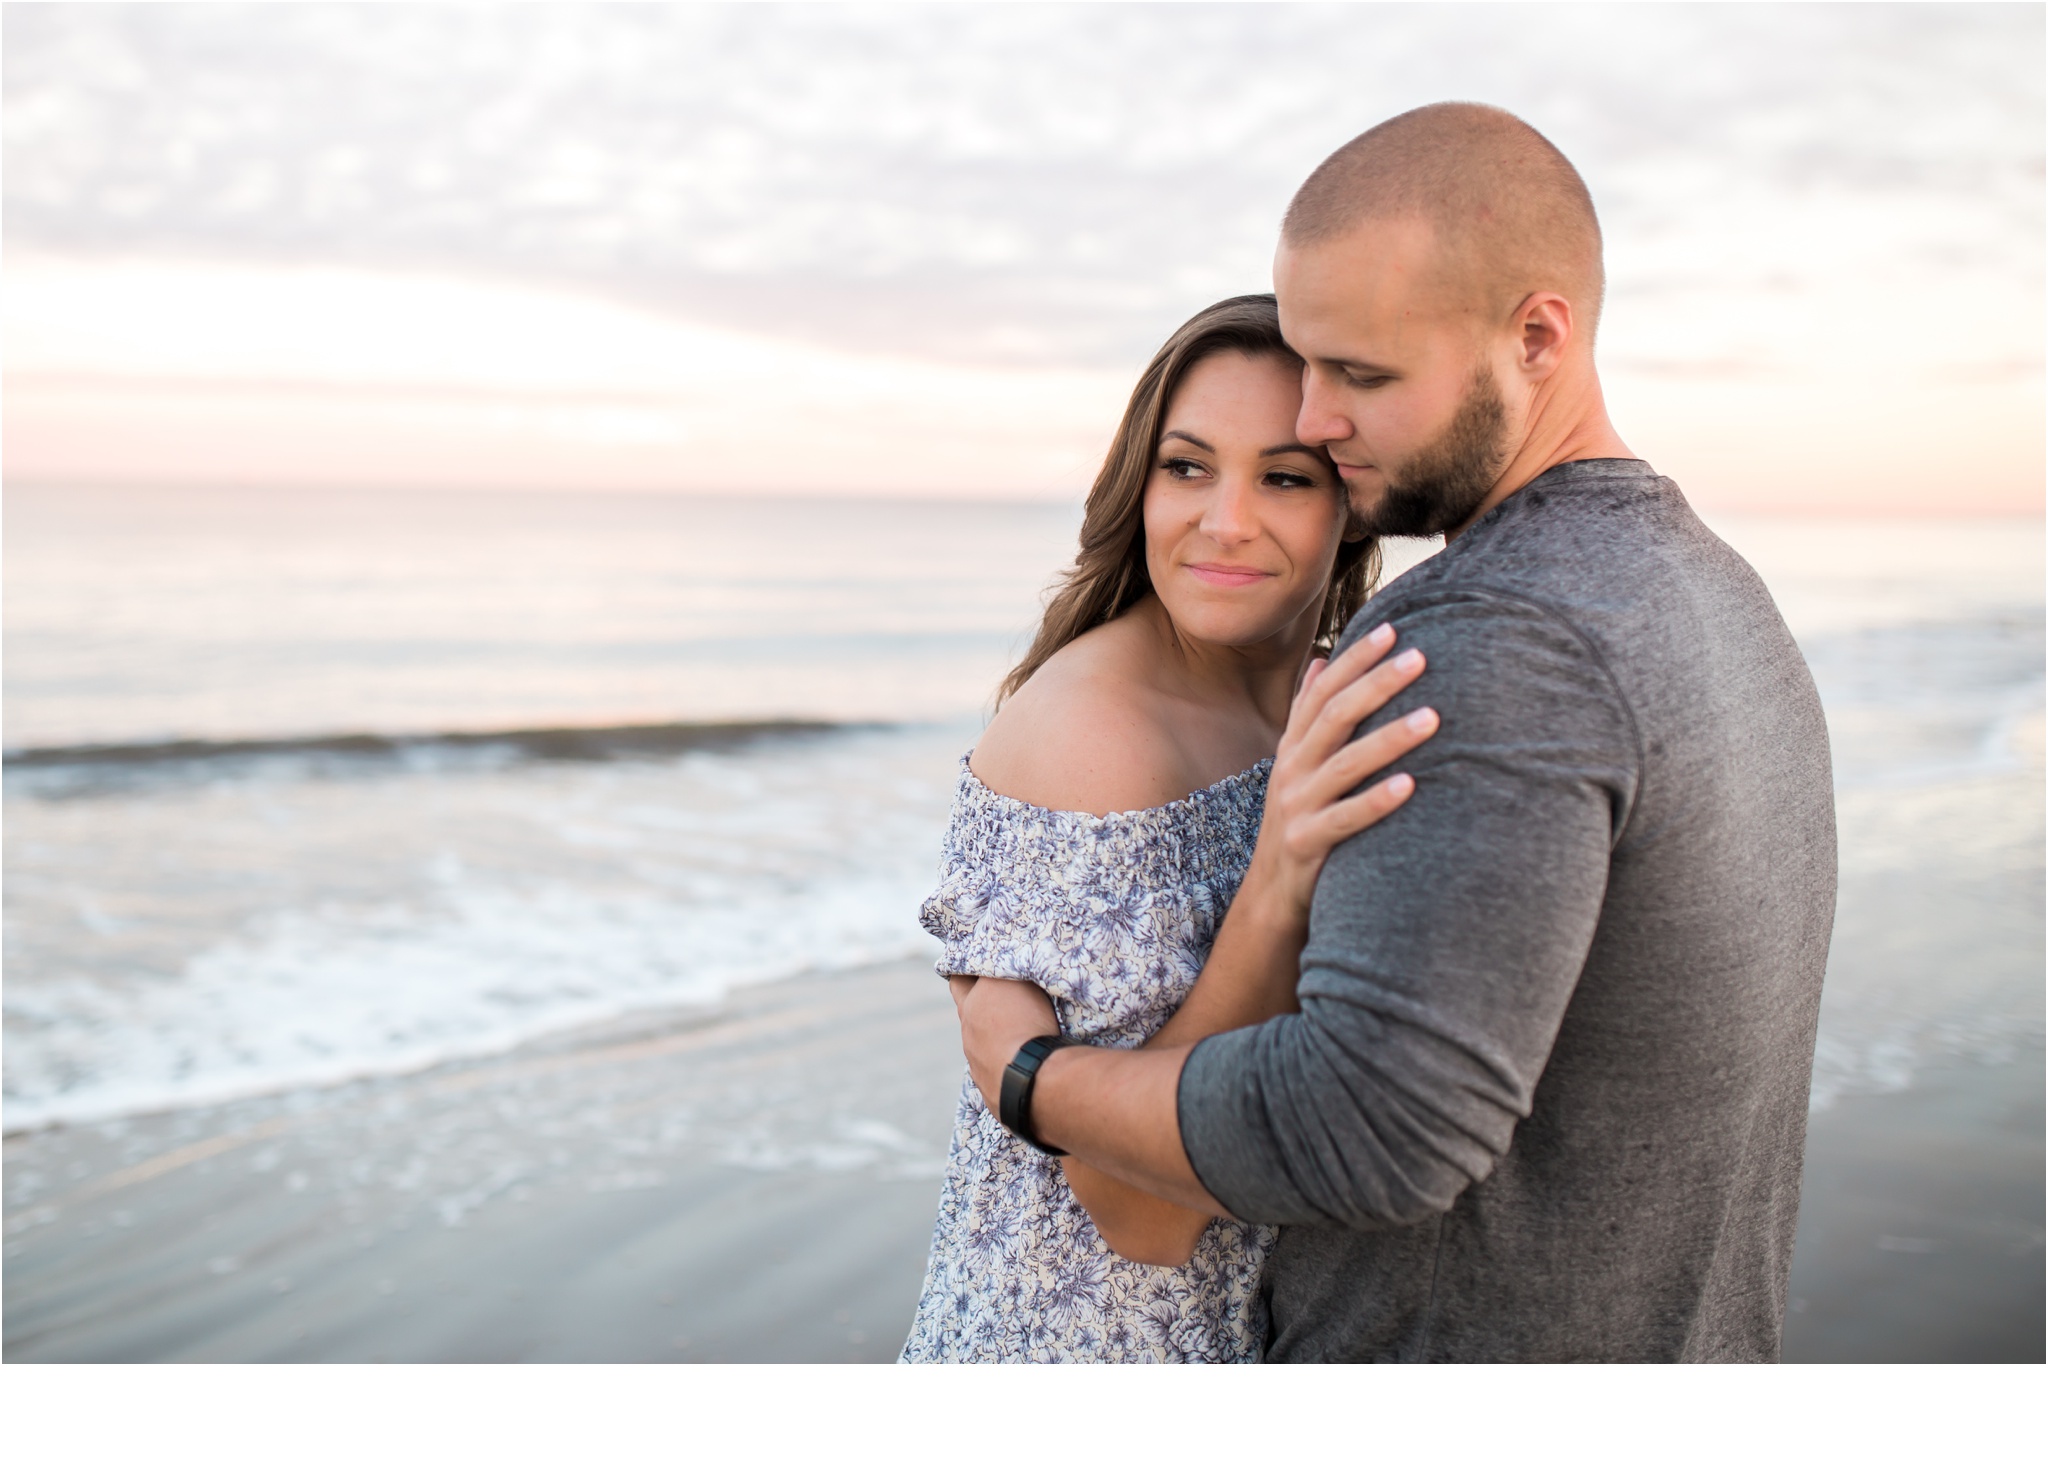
1019,1079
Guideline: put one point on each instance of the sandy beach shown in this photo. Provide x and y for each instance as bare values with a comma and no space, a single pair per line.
1920,1232
595,1200
1920,1224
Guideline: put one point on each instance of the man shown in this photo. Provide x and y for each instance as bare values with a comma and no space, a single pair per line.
1546,1094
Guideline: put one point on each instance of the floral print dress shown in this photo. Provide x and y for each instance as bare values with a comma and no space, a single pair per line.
1113,916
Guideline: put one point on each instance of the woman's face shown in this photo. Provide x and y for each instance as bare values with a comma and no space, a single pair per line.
1242,522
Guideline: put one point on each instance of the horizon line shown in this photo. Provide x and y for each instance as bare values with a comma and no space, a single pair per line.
1074,497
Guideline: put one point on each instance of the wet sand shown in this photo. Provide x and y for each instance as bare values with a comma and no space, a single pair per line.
756,1184
1920,1228
604,1201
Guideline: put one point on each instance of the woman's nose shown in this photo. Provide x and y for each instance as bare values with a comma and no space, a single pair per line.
1231,517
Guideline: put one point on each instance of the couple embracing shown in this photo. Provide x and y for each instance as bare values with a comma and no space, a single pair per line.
1276,1054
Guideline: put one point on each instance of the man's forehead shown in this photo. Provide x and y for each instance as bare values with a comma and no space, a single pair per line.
1401,245
1380,283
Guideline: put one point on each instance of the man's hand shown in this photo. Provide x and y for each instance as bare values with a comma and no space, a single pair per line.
1112,1109
996,1016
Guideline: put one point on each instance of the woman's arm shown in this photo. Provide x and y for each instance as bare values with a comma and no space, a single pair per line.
1310,810
1252,968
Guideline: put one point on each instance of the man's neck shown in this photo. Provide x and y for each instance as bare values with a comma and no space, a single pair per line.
1565,425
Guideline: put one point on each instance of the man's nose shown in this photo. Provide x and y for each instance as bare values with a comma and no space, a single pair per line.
1320,420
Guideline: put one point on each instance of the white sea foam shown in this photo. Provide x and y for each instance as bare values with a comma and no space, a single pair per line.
316,997
431,916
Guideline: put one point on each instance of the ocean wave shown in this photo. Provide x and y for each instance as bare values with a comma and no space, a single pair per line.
625,740
91,769
314,998
212,938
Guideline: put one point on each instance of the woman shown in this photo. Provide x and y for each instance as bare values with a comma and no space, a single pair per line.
1113,808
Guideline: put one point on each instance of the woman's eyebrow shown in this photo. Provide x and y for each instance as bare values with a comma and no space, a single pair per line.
1273,452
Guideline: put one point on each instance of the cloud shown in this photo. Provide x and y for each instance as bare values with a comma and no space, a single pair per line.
1045,184
925,248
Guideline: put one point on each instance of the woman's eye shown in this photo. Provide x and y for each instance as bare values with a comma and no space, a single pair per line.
1290,481
1181,467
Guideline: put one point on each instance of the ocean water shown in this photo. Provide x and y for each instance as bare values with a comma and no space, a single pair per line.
213,890
268,906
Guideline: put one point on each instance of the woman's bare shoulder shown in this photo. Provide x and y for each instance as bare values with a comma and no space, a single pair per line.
1085,733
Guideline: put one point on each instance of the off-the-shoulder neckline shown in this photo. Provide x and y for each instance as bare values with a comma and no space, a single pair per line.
1185,802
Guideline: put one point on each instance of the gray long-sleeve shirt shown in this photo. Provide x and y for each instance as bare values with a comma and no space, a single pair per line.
1546,1096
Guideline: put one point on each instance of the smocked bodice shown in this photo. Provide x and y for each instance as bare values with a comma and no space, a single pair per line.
1113,916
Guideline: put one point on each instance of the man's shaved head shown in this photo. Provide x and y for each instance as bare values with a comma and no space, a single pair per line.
1509,213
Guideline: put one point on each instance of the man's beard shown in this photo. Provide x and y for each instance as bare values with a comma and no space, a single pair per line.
1443,485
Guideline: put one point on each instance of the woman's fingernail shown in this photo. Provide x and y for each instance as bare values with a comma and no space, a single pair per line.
1408,660
1400,784
1380,635
1421,718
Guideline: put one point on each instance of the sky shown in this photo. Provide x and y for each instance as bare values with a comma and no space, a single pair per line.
925,249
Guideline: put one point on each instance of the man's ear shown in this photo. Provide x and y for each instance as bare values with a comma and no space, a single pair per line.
1543,328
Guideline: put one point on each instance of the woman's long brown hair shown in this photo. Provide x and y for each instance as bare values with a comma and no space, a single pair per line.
1108,575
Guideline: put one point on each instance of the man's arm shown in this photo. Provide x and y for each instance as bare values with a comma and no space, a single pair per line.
1111,1108
1445,945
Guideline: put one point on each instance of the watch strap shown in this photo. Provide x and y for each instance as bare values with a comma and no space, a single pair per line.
1020,1078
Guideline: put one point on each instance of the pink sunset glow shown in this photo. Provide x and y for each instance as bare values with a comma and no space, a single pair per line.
1824,297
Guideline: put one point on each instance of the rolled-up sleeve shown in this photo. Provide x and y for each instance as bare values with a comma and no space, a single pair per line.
1444,943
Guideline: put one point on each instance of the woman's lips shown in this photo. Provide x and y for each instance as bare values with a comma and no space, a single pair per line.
1228,575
